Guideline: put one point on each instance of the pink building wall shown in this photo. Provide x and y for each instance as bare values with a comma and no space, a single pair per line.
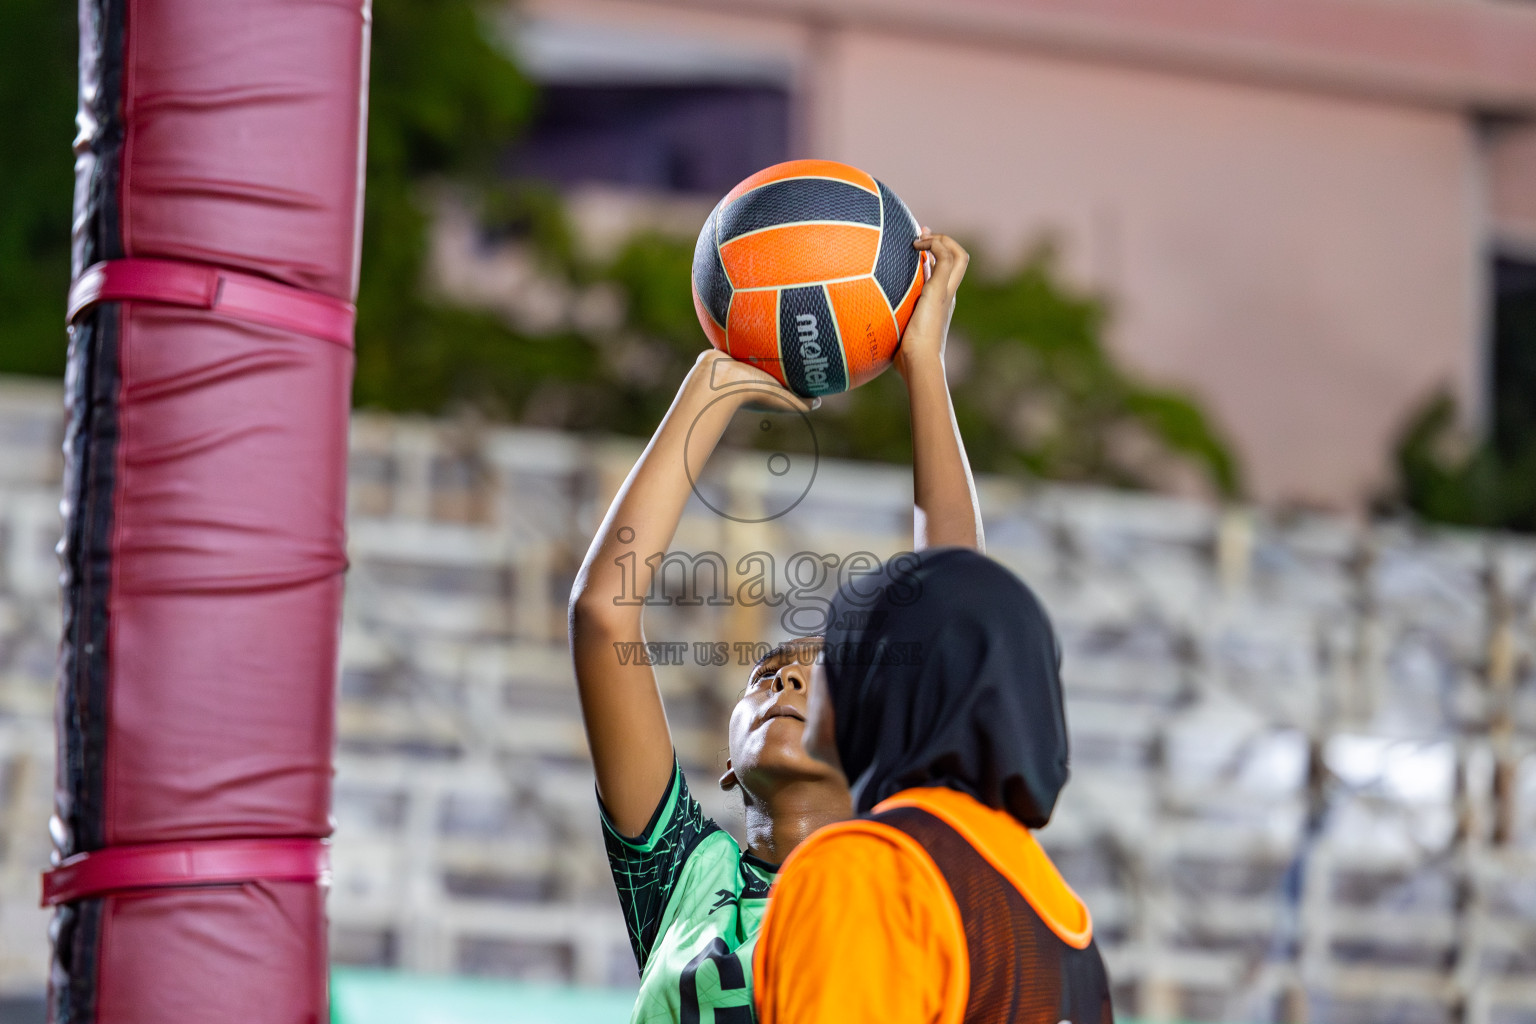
1292,226
1308,267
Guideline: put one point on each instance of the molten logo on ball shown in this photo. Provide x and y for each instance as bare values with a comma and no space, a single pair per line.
811,359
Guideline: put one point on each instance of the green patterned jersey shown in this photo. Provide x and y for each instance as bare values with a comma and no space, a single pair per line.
693,903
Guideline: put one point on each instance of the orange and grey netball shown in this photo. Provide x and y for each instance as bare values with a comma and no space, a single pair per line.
806,269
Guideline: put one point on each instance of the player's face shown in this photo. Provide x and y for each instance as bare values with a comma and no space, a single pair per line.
768,723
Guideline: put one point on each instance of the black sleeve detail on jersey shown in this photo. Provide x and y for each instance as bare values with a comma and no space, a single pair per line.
611,829
753,885
797,200
896,263
646,867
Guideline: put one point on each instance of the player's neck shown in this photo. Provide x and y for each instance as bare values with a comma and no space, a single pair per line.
781,822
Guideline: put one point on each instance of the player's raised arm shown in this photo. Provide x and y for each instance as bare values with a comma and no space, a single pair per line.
620,703
946,513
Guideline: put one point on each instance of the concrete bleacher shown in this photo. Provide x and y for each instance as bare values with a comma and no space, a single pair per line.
1304,749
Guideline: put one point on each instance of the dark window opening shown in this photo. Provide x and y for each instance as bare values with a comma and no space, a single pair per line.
1514,357
674,138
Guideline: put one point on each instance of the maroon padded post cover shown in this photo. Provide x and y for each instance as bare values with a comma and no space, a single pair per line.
203,552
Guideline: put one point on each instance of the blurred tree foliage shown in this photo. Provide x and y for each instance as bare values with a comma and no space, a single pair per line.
1445,478
445,104
38,43
442,102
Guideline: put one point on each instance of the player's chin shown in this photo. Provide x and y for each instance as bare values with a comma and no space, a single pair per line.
786,761
781,739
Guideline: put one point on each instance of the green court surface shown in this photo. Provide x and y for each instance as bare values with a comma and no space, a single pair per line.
393,997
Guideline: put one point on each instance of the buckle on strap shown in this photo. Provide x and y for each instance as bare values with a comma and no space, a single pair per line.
204,862
226,292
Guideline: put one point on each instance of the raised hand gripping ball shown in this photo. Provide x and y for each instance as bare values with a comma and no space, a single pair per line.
806,269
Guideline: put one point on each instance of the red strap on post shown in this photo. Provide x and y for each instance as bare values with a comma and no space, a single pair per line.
209,862
226,292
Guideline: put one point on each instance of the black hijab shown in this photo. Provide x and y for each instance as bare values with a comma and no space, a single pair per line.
943,670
